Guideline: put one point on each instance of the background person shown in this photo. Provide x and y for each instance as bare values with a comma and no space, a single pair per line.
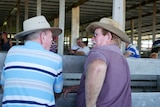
32,73
73,49
6,43
83,50
131,51
54,45
155,49
154,55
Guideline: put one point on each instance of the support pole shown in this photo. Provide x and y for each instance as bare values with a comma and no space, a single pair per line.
118,14
61,25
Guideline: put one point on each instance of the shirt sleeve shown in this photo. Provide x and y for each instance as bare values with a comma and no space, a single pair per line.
93,55
2,77
132,50
86,50
58,85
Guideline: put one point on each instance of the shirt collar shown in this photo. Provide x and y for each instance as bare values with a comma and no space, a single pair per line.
34,45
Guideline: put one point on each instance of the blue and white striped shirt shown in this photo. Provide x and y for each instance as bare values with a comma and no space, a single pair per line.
132,49
30,76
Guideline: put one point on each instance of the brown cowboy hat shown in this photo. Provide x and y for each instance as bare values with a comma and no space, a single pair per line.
110,25
35,24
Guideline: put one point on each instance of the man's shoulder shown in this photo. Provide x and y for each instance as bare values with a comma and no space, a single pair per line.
16,47
54,56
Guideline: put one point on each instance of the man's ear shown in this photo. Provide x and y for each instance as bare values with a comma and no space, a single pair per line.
42,37
108,36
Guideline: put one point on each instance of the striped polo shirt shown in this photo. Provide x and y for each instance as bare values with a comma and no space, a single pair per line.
133,49
30,76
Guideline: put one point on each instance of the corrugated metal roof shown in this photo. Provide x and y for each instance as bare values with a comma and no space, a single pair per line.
90,10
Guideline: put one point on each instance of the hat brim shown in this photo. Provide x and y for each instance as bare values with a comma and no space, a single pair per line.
22,35
122,35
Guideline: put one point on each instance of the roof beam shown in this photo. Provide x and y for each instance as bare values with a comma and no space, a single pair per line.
148,14
80,2
142,4
17,3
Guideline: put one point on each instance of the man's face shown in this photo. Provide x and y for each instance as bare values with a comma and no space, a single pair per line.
79,41
98,39
3,36
48,39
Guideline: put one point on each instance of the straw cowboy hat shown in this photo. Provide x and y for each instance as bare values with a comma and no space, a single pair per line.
35,24
110,25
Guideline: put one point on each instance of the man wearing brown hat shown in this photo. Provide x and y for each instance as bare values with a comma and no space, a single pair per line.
32,73
105,81
106,78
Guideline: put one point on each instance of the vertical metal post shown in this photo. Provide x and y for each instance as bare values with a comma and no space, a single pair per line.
75,25
61,25
39,7
139,28
26,10
118,14
132,30
154,21
17,23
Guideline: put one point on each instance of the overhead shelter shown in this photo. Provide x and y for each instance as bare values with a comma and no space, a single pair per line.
141,19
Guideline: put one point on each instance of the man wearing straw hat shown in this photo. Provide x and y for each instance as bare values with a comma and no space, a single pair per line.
105,81
32,73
